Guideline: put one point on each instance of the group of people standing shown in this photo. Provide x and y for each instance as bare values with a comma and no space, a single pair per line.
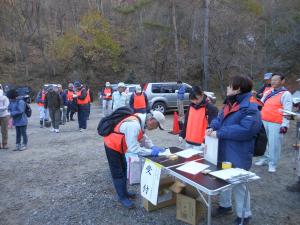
112,100
61,105
236,126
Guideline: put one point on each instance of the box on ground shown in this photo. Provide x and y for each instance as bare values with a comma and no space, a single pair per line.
188,209
165,196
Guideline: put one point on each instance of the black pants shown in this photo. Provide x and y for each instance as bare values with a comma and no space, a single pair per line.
117,163
82,116
21,131
70,111
55,117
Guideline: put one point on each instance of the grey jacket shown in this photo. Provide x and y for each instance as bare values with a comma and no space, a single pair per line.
4,103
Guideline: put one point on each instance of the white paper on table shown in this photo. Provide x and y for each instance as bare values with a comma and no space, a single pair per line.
187,153
211,150
150,179
167,152
192,167
230,173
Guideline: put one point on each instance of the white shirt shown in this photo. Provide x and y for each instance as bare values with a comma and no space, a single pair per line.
131,130
119,100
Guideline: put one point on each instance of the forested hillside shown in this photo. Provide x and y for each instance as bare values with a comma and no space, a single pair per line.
147,40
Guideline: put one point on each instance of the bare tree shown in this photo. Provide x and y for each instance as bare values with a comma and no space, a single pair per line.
176,40
205,45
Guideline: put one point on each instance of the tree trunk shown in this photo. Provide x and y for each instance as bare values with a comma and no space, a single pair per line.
205,45
176,41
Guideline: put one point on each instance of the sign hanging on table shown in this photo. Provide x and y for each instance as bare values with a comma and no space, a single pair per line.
150,181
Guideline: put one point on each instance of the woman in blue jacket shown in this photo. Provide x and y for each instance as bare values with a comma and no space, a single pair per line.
236,128
17,111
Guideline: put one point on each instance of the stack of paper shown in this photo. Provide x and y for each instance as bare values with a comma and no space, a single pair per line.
231,173
187,153
193,167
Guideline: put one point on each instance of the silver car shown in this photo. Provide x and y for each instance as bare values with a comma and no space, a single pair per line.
163,96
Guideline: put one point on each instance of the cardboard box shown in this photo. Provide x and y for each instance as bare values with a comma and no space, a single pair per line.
188,209
165,196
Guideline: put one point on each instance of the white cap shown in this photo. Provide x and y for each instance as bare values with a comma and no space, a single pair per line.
121,84
138,89
107,84
268,76
160,118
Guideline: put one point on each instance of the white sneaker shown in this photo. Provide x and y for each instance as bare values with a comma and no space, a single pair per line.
272,169
56,130
261,162
52,129
81,130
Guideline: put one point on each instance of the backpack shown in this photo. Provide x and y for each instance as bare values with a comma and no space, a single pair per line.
107,124
28,110
260,142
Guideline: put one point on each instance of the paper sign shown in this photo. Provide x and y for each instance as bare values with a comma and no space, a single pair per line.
193,167
187,153
211,150
150,181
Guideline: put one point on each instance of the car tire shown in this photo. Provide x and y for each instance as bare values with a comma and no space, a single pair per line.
160,106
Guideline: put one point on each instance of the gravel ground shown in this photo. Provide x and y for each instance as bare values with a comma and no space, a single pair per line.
64,179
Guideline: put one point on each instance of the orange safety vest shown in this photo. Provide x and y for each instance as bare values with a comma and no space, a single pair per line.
139,101
196,126
116,140
43,99
267,89
271,111
70,95
88,95
82,101
256,101
107,91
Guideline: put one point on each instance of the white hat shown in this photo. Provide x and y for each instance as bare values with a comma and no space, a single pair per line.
160,118
121,84
138,89
268,76
107,84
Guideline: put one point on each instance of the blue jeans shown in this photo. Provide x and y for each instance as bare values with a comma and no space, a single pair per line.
117,163
82,116
239,194
21,131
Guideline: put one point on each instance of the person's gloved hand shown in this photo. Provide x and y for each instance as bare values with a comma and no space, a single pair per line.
283,130
65,107
61,109
155,150
180,139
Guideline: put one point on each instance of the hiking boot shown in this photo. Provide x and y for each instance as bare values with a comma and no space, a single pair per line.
72,119
261,162
222,211
5,147
294,187
238,221
127,203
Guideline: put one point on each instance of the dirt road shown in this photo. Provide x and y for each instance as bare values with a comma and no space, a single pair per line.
64,179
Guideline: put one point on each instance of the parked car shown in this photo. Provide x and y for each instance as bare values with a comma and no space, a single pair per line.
163,96
25,93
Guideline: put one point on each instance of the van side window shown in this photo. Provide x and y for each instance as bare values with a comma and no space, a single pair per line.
187,89
156,88
167,89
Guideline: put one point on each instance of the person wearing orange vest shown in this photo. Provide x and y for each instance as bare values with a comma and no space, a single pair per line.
40,100
276,125
82,104
200,113
106,96
70,111
265,87
90,100
128,136
139,101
